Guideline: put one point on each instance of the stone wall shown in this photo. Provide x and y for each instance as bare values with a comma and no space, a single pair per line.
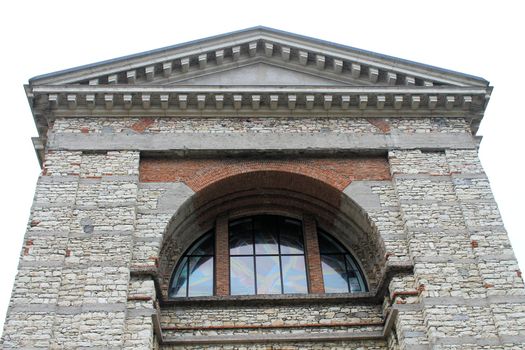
88,273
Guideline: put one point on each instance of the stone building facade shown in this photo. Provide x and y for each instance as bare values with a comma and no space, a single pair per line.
143,155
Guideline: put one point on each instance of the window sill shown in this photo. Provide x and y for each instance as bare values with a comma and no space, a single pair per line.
275,299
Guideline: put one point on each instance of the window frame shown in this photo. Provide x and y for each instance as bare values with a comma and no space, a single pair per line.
307,256
186,258
277,221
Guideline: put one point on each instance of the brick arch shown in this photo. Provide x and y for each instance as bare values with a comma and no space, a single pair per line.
268,192
201,173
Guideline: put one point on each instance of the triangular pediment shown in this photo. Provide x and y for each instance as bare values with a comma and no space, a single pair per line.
301,60
258,74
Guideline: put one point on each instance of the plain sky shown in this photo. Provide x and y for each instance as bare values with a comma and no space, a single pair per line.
482,38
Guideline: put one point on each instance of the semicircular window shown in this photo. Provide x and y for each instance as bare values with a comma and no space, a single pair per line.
341,274
267,256
194,274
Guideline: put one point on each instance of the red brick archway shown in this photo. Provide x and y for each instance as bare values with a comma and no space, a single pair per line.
273,192
200,173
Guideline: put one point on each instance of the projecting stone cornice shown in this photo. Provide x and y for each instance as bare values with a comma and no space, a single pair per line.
140,99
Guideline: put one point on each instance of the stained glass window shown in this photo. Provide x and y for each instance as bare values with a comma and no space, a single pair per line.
341,274
267,256
194,274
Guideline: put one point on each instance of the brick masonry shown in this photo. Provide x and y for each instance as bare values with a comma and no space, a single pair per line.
200,173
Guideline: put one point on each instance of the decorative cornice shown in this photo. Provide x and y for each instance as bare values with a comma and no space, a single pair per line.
234,98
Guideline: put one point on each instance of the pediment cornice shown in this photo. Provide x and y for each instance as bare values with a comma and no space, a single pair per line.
292,49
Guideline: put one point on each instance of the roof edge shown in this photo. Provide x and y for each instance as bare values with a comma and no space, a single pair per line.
261,29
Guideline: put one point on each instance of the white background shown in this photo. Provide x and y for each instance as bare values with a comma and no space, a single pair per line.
482,38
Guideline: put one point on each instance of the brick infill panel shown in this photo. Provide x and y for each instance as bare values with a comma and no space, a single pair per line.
200,173
222,257
313,257
139,297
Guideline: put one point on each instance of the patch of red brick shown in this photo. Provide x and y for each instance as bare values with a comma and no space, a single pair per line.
29,242
518,273
68,253
139,297
474,244
155,259
201,173
84,130
222,260
381,124
313,257
406,293
143,124
488,285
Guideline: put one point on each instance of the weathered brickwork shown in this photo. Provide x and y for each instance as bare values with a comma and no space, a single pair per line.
197,174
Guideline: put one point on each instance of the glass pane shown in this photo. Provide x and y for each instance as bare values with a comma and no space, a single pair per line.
291,236
294,274
241,238
242,275
355,286
268,275
180,279
328,245
334,273
241,243
265,231
266,243
203,247
201,276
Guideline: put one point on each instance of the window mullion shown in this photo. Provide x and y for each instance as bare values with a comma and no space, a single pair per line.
222,257
312,255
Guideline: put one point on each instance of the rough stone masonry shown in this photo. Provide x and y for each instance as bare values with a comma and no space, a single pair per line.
144,154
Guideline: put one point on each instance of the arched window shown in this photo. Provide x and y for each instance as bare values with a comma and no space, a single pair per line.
267,255
194,275
341,274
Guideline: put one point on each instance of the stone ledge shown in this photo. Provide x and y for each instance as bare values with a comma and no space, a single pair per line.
467,340
101,233
503,299
255,143
444,259
373,297
67,310
110,178
58,178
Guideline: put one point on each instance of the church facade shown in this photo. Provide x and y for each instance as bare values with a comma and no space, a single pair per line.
262,190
